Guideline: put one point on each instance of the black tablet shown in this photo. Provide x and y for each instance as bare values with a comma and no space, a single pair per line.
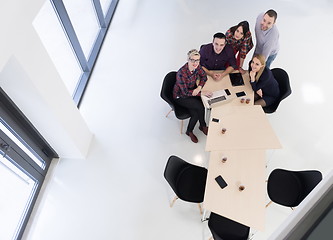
236,79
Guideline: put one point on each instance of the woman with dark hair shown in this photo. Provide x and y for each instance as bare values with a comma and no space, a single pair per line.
265,87
240,38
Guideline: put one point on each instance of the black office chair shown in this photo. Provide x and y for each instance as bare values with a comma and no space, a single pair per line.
225,229
166,94
290,188
282,78
188,181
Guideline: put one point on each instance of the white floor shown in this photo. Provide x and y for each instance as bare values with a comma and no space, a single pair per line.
118,191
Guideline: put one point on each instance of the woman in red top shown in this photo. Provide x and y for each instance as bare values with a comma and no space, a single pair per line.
240,38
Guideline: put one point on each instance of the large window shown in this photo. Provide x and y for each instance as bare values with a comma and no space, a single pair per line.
24,160
72,33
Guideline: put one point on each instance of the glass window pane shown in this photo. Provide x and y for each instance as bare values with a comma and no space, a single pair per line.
56,44
105,4
85,23
21,144
16,190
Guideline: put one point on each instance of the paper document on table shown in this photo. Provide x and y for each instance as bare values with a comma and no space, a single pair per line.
218,97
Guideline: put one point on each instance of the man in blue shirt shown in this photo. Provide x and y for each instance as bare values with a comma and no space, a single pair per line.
217,56
267,36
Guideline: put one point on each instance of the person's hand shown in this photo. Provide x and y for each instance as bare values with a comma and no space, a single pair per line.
208,94
217,76
196,91
259,92
241,70
252,76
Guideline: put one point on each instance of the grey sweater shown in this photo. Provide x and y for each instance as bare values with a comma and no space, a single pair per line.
267,42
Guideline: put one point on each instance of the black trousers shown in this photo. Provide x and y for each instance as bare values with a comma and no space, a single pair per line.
196,109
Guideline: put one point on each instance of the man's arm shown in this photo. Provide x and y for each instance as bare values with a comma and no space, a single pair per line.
227,71
208,72
271,43
231,60
216,76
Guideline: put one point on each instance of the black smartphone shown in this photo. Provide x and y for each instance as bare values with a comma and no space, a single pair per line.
221,181
240,94
227,91
215,120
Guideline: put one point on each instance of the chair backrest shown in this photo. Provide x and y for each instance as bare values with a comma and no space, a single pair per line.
224,228
187,180
290,188
167,88
282,78
309,180
167,95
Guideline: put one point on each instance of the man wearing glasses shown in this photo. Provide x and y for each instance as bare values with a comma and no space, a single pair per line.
217,55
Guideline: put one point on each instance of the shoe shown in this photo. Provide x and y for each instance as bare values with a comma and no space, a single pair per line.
204,129
192,136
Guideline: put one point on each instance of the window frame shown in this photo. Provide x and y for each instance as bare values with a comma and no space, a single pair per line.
15,119
86,65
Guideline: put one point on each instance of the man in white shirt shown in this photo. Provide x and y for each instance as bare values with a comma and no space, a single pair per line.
267,36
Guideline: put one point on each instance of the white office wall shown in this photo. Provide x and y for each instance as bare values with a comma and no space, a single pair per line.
29,77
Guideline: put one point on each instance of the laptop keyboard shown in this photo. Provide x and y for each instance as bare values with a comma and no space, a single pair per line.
215,100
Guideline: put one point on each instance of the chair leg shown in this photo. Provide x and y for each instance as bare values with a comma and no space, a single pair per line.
181,123
169,113
268,204
200,208
173,201
181,126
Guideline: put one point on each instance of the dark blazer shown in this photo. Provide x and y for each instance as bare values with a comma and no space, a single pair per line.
269,86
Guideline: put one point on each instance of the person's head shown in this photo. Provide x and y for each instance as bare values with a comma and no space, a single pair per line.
240,30
193,59
258,64
219,42
268,20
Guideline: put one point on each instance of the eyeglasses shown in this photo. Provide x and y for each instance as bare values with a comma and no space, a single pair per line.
194,60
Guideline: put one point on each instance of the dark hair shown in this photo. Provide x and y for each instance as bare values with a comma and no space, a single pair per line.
272,13
219,35
244,25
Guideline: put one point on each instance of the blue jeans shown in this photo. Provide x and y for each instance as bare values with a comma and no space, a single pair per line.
270,59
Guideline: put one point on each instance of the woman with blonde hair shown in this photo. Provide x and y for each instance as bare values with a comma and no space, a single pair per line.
187,92
265,87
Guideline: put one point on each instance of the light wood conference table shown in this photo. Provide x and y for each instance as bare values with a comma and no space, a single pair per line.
225,83
243,167
248,134
246,128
